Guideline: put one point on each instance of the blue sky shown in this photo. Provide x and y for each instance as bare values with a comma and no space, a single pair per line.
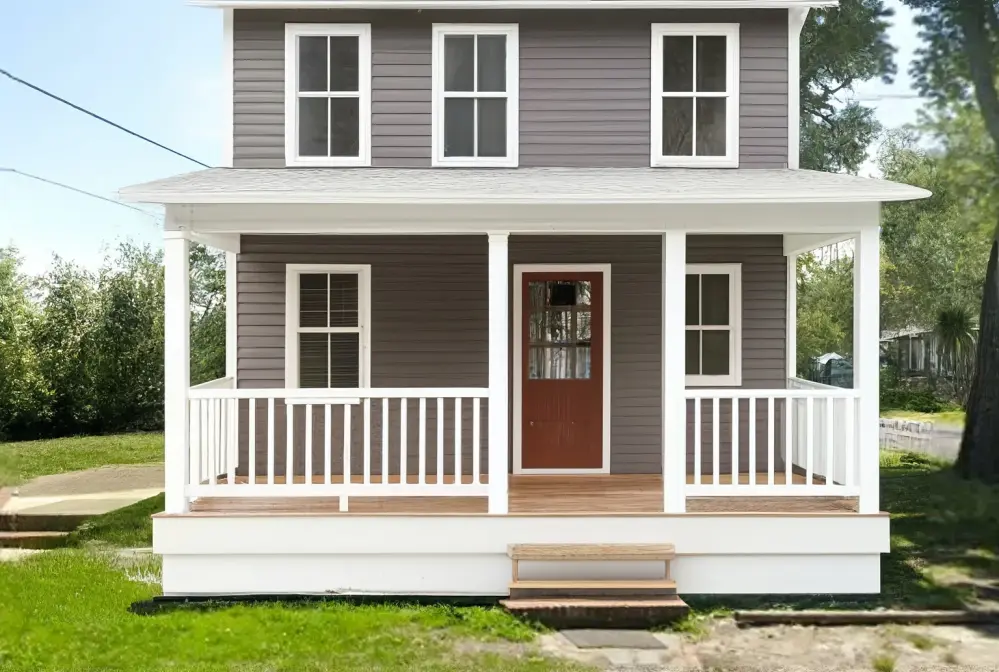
153,66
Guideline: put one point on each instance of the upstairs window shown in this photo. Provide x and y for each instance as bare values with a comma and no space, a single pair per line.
714,331
475,95
327,94
695,95
327,339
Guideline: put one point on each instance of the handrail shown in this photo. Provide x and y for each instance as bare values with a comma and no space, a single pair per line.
319,394
223,383
781,393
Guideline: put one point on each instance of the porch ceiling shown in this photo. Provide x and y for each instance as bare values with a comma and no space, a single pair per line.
565,186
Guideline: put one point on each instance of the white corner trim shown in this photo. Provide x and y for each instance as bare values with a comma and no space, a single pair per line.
795,22
734,272
292,32
512,95
518,364
227,87
231,290
791,328
513,4
731,159
291,306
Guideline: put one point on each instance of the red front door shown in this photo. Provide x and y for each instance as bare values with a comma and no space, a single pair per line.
562,371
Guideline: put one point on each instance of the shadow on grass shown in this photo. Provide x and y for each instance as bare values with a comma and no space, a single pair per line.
944,546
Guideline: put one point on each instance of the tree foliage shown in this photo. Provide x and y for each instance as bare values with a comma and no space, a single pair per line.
82,351
840,47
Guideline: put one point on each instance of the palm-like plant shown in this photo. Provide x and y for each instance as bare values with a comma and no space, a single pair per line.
956,340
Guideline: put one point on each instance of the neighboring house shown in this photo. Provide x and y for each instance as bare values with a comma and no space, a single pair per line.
916,353
832,369
510,272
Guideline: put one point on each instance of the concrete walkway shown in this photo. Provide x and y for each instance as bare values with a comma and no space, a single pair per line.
84,493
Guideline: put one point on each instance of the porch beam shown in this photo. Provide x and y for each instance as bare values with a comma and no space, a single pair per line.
499,371
866,326
227,242
177,371
674,453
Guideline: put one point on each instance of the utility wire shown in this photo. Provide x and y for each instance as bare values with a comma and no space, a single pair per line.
79,191
98,117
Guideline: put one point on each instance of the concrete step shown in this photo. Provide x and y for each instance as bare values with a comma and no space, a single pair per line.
38,540
41,522
562,613
597,590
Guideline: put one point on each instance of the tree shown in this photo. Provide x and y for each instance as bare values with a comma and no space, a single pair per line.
207,314
957,66
21,391
841,46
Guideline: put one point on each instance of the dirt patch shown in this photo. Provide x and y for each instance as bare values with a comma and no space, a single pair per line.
725,647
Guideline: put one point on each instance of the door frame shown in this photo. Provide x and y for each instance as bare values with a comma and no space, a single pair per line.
518,362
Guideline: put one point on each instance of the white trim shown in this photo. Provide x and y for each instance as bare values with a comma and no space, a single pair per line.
227,242
731,32
292,32
518,353
227,87
291,329
177,372
866,360
513,4
791,329
734,272
674,405
512,95
795,21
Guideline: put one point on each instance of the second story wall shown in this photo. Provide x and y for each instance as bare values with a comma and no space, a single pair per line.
584,83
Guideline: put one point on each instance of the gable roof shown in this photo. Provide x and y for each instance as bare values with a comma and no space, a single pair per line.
514,4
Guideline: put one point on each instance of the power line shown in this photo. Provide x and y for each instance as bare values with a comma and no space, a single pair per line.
79,191
99,117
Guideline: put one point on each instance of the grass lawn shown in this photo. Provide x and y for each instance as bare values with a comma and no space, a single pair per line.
943,417
24,460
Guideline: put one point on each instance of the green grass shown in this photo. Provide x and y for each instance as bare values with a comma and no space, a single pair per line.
131,526
883,662
25,460
67,610
943,417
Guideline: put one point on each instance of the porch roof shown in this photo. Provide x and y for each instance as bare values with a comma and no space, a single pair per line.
516,185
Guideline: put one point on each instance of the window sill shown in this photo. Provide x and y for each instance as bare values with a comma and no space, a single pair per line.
712,381
346,162
475,163
680,162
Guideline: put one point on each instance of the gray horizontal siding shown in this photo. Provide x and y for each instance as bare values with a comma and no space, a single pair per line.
429,328
585,84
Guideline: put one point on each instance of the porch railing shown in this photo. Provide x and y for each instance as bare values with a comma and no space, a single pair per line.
337,442
773,442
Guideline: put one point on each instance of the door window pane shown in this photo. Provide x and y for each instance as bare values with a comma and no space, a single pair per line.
582,363
459,63
678,126
459,127
492,126
344,63
491,63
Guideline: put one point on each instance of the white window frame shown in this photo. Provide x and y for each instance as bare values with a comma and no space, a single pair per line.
734,377
731,32
291,318
511,31
292,32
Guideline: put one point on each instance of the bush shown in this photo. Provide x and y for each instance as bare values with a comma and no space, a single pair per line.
902,395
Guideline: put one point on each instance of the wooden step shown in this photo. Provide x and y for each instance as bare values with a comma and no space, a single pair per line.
37,540
591,552
600,590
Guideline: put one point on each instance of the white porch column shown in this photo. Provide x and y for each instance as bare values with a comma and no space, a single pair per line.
499,371
866,326
230,315
674,274
791,348
177,371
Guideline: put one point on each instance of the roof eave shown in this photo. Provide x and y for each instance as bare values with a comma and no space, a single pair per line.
513,4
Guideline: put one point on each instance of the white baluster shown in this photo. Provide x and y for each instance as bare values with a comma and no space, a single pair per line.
752,440
829,440
348,411
422,443
385,440
328,443
788,441
308,444
289,449
697,441
849,441
457,441
271,429
771,444
251,451
810,439
367,441
403,403
194,463
735,441
440,441
476,467
716,442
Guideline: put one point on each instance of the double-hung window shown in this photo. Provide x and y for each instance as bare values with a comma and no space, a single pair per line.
327,337
713,319
695,95
327,94
475,95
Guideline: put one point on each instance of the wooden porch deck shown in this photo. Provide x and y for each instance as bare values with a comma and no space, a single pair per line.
540,495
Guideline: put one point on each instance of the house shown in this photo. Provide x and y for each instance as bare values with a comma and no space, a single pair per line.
516,273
